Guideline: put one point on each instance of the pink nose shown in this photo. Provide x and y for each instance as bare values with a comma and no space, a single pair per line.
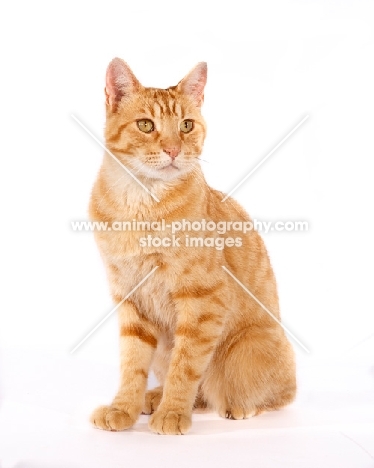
172,152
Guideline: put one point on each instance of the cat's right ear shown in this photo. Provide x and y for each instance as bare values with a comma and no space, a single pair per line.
120,82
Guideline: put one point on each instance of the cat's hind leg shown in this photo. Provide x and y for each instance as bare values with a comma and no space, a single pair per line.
252,372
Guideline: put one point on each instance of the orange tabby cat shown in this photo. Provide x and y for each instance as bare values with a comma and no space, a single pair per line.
207,341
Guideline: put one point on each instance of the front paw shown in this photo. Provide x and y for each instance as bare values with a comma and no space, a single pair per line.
110,418
152,400
169,422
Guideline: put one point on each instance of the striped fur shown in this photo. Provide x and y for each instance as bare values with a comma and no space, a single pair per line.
207,341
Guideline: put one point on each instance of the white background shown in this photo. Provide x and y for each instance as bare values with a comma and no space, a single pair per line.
270,63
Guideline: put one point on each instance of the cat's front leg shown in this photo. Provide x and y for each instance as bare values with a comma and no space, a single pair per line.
138,341
200,323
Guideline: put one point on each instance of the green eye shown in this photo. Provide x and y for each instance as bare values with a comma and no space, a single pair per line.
145,125
186,126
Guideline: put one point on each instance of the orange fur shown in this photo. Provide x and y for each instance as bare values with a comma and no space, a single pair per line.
208,342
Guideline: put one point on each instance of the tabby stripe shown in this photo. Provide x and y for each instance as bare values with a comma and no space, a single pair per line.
162,107
197,291
118,150
141,372
192,333
208,317
116,136
191,374
218,301
172,106
139,332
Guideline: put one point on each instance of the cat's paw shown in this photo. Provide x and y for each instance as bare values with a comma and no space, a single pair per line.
237,412
152,400
111,419
169,422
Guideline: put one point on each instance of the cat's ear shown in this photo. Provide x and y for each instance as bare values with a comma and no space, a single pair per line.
120,82
194,83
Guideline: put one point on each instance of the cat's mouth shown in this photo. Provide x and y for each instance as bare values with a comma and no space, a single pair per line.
169,167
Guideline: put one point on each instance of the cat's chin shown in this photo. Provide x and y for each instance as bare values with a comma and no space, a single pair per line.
170,170
167,173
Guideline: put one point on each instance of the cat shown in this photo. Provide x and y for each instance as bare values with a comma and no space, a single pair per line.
207,341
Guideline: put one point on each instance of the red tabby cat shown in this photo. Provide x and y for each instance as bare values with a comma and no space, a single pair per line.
207,341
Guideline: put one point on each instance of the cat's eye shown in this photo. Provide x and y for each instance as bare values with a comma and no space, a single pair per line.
186,126
145,125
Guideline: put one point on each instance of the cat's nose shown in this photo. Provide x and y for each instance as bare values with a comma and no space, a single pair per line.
172,151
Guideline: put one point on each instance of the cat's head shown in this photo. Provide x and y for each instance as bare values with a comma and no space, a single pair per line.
156,133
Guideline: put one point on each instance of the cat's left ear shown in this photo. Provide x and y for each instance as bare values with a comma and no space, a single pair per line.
194,83
120,82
